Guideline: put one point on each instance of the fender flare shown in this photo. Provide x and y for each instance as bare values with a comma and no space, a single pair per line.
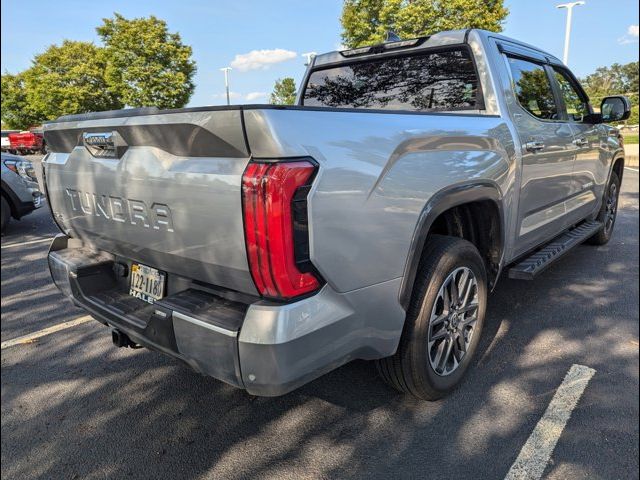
440,202
617,155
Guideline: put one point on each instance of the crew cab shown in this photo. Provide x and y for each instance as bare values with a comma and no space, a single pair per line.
266,245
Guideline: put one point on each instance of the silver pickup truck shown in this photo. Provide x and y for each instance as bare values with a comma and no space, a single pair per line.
266,245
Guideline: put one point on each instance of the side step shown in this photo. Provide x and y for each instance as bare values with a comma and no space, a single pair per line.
531,266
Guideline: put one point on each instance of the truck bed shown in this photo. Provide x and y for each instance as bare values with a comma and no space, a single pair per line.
170,196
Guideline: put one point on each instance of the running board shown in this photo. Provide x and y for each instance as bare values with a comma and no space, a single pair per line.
531,266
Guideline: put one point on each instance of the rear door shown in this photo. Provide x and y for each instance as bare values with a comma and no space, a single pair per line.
547,148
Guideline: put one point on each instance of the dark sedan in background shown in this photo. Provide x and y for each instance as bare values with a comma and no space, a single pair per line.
20,192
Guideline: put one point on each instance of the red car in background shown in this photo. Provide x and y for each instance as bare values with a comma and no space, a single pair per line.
28,142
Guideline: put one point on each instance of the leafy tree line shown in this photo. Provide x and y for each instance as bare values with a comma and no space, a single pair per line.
140,64
614,80
366,22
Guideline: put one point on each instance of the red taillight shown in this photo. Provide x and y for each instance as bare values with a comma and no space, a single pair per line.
268,191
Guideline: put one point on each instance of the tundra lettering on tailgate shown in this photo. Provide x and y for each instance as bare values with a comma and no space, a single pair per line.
122,210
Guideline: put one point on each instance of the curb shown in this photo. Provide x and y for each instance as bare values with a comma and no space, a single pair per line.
631,155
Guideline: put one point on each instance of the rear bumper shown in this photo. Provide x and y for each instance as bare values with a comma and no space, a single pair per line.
268,349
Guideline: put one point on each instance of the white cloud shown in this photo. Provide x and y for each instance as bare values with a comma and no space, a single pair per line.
261,59
238,97
255,95
631,36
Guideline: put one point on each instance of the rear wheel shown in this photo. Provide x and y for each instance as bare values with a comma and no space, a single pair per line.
608,212
6,213
444,321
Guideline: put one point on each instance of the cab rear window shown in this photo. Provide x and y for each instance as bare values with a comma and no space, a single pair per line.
437,80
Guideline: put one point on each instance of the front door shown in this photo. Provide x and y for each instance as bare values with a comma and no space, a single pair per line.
591,168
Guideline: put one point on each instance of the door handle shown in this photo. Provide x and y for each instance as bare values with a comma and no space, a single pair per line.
581,142
534,146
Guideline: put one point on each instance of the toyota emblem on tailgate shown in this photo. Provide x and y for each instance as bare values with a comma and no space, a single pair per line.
104,144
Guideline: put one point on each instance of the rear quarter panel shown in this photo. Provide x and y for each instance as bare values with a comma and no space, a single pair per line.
377,173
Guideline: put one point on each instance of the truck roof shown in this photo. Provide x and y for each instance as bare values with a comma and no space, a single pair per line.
450,37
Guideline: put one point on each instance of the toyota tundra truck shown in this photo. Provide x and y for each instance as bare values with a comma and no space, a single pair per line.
267,245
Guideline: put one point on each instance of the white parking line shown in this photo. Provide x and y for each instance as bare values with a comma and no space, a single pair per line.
46,331
535,454
632,169
31,242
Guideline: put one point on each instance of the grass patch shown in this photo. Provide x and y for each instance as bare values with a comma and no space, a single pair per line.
631,139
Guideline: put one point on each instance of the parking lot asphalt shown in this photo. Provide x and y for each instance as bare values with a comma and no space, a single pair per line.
74,406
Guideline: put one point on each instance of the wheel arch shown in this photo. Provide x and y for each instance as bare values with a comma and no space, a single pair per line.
446,200
10,197
617,165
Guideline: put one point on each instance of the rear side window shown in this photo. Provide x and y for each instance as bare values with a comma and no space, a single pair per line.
533,89
442,80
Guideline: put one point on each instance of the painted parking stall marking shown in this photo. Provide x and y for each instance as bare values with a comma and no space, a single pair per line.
30,242
46,331
535,454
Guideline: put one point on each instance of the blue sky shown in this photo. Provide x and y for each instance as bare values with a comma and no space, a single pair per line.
225,33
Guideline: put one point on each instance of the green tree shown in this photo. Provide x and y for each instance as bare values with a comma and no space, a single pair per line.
68,79
141,64
366,22
284,92
146,64
16,113
614,80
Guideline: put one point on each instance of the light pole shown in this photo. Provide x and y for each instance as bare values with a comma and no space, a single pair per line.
226,71
567,32
309,56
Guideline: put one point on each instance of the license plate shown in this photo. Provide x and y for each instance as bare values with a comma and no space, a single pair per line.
146,283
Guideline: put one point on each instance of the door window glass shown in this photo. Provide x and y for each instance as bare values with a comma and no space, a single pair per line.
533,89
577,106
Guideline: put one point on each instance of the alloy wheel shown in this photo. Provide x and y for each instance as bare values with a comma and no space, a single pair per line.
611,208
452,322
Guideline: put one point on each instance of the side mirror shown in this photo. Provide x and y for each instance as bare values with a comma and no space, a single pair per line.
615,108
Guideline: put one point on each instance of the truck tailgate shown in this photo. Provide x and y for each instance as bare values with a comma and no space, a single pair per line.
163,189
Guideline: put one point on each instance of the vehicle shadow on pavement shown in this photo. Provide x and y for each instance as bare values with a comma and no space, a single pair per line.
74,406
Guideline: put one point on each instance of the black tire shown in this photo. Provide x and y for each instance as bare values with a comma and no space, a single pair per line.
608,212
410,370
5,214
